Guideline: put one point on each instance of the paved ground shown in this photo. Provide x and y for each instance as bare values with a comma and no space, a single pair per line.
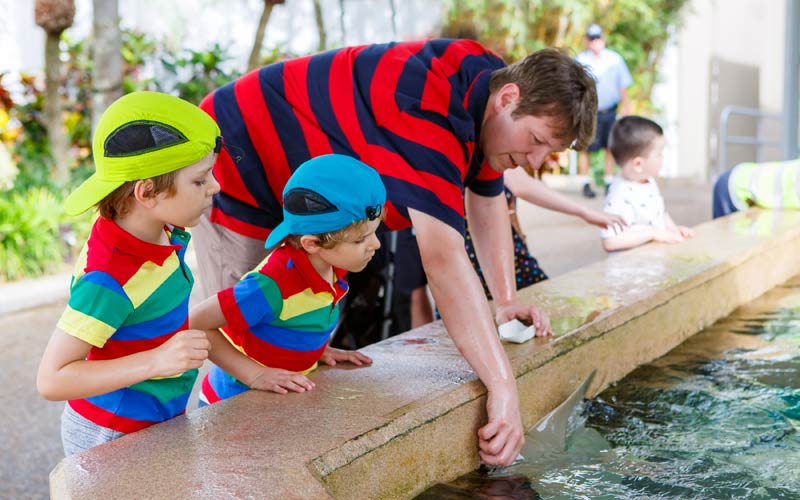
29,436
562,243
29,432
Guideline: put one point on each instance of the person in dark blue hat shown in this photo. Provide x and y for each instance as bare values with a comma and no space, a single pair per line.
282,314
613,79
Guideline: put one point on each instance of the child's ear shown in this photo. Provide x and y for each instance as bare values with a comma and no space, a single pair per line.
143,192
637,164
310,243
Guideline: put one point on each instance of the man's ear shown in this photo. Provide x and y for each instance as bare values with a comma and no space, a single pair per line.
143,192
508,95
310,243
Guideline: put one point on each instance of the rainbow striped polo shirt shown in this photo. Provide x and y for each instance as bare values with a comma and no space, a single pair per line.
281,315
129,296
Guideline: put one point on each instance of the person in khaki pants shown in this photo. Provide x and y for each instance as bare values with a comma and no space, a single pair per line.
440,120
613,79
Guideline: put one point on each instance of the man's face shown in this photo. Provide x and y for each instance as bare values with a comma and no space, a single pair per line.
509,142
596,45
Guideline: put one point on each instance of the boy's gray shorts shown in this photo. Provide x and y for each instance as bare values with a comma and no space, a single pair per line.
79,434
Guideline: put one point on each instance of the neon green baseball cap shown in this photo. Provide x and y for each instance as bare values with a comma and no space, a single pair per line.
140,136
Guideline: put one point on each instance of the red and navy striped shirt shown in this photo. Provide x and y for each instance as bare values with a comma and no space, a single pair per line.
412,111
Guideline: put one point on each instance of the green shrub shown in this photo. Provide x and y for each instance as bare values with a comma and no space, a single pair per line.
638,29
36,237
30,243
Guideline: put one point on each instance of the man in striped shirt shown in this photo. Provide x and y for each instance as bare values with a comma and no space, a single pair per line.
433,118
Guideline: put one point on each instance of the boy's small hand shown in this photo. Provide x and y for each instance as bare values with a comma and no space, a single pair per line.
685,231
186,350
280,381
668,236
331,356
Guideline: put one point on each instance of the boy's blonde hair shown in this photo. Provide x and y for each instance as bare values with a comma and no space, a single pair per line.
331,239
118,203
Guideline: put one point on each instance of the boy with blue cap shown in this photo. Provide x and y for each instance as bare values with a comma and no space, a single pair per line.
282,314
122,354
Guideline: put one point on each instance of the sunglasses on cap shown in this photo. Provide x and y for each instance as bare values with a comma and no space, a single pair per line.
236,154
301,201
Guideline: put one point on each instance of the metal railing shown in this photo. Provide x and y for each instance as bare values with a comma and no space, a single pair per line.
758,141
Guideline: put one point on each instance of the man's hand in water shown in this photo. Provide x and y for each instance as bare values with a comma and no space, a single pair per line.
501,439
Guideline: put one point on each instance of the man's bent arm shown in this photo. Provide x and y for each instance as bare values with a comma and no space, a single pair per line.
468,318
490,228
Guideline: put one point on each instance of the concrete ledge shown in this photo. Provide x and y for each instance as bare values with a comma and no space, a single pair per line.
27,294
390,430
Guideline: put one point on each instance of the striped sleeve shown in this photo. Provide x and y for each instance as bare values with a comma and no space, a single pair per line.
488,182
253,300
426,131
410,110
97,307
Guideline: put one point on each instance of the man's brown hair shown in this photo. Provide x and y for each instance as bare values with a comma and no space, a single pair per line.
553,84
118,202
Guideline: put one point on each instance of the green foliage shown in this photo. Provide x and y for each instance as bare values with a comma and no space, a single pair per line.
35,234
24,130
196,73
137,49
29,235
597,167
638,29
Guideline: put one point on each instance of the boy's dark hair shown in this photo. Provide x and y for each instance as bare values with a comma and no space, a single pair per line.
553,84
632,136
117,203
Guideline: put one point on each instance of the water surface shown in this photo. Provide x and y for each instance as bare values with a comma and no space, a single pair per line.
716,418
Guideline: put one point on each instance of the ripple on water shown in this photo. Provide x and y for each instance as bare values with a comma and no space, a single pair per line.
686,427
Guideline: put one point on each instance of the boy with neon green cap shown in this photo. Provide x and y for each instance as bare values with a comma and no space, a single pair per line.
122,354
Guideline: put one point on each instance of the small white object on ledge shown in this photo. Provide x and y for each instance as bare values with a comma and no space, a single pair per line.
515,331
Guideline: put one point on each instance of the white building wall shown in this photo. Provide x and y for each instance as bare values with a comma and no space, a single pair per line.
21,41
197,24
741,31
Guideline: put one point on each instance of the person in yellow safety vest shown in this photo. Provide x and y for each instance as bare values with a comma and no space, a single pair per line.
765,185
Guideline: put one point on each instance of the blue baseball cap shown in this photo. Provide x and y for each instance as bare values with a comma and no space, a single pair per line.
594,31
328,193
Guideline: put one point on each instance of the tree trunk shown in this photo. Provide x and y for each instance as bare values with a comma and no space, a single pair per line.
107,77
54,16
255,55
393,18
323,35
341,23
52,109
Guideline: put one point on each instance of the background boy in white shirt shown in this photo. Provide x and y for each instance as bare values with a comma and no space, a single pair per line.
637,145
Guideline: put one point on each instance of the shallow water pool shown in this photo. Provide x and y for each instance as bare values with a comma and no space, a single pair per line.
716,418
